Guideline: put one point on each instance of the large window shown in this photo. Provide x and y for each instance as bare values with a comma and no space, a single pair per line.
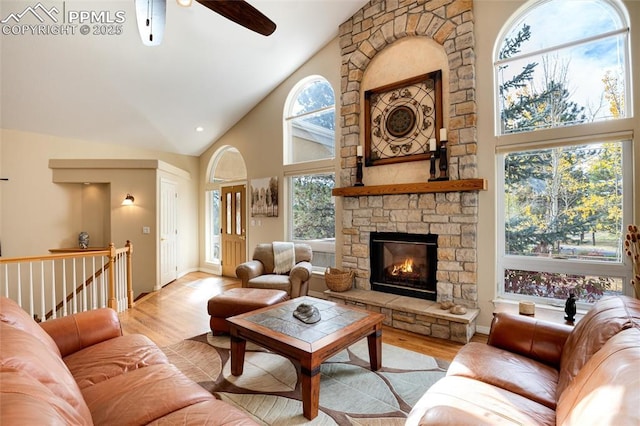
564,198
309,150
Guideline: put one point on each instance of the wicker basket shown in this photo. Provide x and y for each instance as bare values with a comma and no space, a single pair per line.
338,280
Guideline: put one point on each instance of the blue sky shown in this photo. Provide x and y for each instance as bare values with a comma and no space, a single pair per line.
564,21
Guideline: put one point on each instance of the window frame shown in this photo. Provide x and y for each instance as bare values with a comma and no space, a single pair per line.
312,167
289,118
614,130
324,246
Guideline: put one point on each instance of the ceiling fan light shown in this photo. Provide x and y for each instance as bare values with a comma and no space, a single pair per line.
184,3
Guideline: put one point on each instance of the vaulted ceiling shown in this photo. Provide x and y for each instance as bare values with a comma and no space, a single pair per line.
208,71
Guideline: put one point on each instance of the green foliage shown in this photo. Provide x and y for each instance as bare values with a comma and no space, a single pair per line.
555,196
313,208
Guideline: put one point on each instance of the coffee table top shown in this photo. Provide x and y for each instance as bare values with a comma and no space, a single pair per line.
278,321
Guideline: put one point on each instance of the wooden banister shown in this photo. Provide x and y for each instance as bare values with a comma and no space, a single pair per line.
20,276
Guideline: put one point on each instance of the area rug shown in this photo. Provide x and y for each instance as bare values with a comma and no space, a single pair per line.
350,393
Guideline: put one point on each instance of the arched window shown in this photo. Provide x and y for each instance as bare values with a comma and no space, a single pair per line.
563,63
309,168
564,153
310,121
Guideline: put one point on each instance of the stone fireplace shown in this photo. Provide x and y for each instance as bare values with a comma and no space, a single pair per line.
379,43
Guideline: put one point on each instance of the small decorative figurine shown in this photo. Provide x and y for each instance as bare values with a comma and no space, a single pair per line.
83,240
570,308
308,314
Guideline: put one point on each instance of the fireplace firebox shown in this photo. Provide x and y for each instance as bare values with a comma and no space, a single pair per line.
404,264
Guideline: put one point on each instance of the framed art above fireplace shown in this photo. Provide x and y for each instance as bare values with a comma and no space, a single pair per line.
401,118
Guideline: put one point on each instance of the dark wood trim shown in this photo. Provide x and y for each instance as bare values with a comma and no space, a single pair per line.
413,188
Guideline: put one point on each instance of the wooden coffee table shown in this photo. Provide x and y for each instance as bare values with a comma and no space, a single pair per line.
276,329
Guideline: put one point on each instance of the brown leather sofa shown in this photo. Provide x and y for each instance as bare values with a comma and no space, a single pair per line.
258,273
81,370
537,373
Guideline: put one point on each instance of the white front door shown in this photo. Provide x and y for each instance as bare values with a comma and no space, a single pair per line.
168,232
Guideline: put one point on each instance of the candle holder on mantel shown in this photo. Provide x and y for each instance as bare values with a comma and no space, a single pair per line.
434,155
441,154
443,161
432,168
358,171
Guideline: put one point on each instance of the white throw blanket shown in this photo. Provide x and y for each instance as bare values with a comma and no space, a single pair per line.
284,257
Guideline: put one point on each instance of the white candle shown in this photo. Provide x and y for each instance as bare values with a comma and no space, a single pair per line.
359,151
443,134
432,144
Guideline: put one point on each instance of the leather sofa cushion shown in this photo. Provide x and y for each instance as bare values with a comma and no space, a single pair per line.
12,314
113,357
141,396
206,413
507,370
26,401
21,351
75,332
455,400
606,318
605,391
272,281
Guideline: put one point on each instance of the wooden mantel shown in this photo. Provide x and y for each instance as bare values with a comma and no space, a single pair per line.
413,188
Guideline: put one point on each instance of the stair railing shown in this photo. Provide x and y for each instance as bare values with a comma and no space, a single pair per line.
61,284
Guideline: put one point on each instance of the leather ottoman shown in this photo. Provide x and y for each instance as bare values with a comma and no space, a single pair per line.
239,301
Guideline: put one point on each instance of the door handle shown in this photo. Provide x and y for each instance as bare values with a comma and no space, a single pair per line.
242,237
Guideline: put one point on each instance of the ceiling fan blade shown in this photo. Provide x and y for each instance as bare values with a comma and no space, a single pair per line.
242,13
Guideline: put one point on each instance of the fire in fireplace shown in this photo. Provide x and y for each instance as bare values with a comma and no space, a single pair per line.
404,264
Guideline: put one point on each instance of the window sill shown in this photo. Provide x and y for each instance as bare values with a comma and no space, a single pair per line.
543,312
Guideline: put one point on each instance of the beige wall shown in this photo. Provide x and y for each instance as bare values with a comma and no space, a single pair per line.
38,214
405,58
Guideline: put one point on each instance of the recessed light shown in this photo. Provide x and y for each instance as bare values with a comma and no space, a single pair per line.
199,129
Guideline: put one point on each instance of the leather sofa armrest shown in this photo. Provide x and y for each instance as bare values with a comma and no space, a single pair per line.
75,332
299,278
539,340
248,270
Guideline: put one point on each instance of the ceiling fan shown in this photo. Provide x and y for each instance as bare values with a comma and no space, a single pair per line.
151,17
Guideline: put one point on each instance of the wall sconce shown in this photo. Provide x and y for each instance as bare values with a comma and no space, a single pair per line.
184,3
128,200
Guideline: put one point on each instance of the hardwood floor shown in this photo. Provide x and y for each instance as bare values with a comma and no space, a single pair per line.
179,311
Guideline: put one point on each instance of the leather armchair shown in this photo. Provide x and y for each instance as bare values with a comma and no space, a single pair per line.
258,273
